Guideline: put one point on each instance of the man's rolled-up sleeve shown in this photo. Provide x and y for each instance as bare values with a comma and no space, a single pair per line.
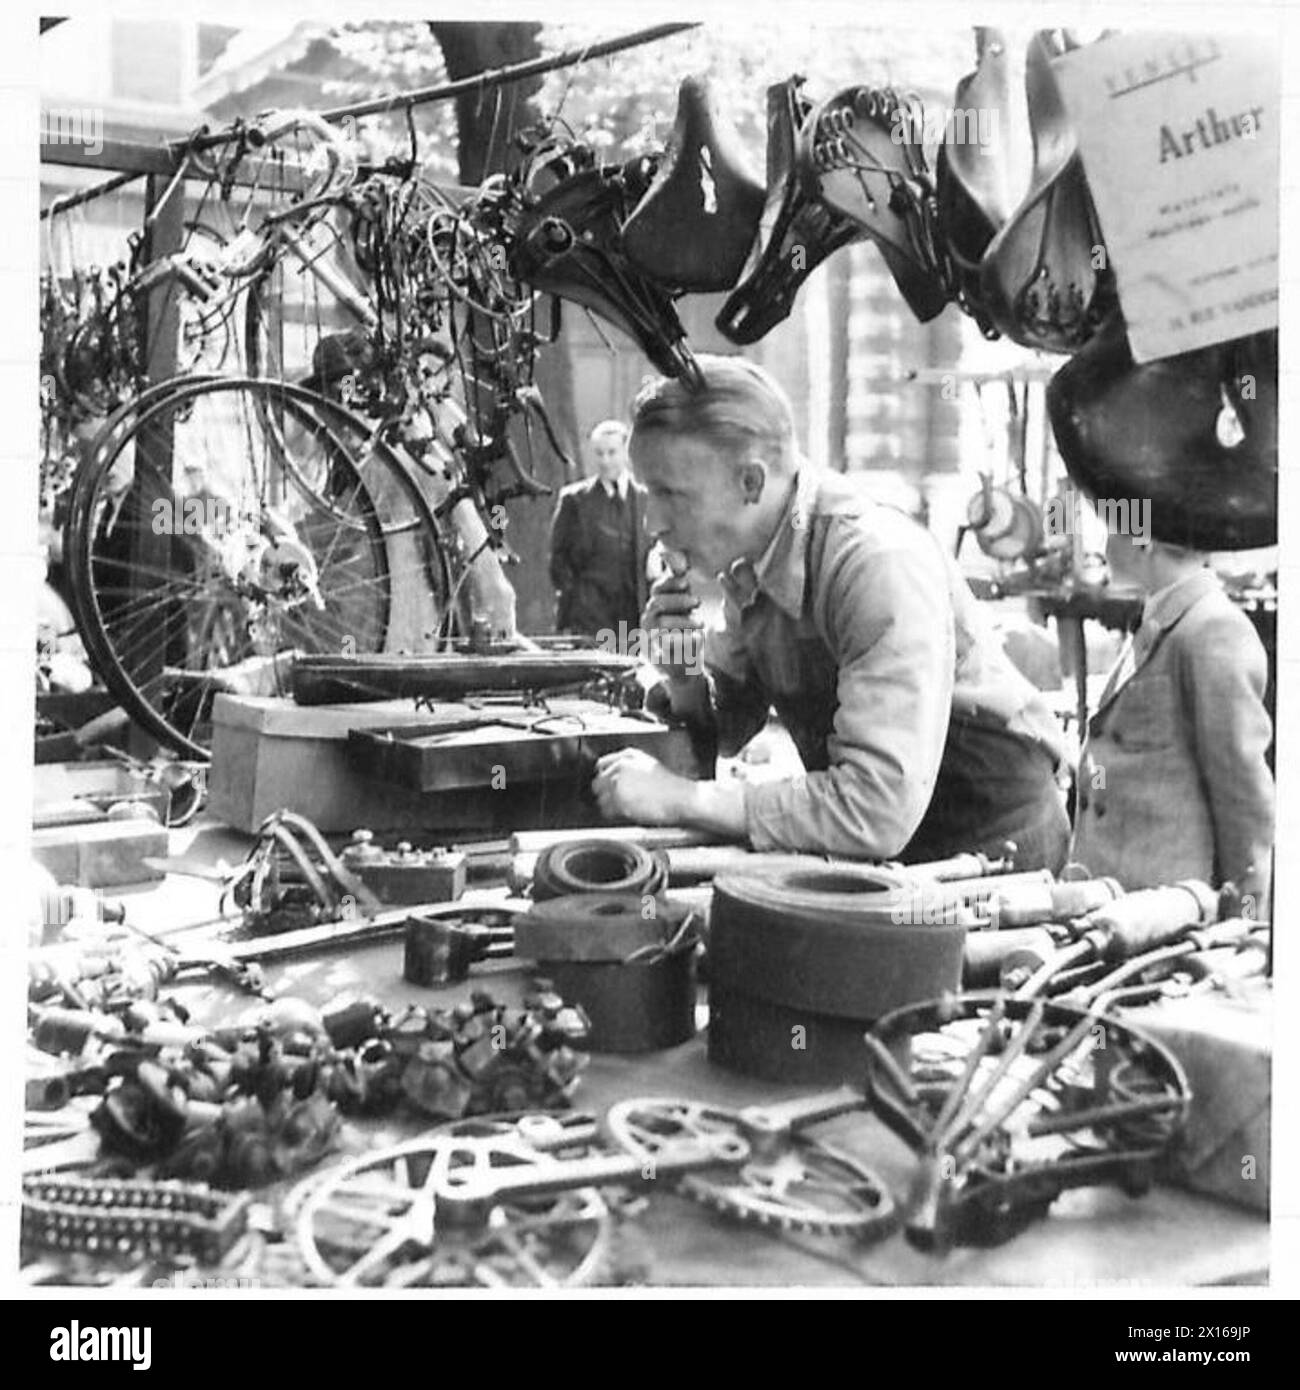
887,616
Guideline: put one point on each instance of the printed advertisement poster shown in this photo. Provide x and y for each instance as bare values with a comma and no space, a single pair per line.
1179,138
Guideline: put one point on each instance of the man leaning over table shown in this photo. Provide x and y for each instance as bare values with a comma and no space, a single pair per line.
918,737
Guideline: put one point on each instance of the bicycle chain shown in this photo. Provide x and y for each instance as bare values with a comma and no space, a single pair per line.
131,1217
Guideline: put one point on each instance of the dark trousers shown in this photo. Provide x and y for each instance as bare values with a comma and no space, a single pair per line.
993,786
596,603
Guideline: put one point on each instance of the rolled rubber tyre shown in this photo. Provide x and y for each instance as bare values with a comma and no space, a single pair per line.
775,1042
598,866
849,943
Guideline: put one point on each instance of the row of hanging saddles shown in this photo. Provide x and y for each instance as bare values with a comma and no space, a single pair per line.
1195,433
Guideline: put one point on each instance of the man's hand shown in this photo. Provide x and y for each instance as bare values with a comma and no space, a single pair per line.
631,785
671,609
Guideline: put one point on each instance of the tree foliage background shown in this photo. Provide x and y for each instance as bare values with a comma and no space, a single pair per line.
626,102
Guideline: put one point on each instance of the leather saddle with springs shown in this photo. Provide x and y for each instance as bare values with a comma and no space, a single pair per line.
797,229
568,241
971,173
849,169
1043,280
695,225
865,145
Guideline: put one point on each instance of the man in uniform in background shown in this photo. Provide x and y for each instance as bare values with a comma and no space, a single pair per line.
599,542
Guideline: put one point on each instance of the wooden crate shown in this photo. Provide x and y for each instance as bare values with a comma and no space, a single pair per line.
269,754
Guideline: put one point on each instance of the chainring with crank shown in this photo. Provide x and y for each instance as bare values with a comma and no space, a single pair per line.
791,1180
372,1222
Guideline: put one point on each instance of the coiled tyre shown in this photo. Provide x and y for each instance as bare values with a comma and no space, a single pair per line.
598,866
846,941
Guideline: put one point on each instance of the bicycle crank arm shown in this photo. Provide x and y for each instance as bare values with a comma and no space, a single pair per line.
470,1191
763,1124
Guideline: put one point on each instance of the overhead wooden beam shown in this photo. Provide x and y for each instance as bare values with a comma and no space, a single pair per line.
126,156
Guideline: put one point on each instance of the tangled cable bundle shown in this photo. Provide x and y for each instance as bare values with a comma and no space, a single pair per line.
598,866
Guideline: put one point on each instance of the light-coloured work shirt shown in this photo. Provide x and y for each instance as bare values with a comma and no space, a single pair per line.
857,626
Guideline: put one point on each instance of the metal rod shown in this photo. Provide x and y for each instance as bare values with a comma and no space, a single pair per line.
58,206
1066,1048
1080,952
959,1093
484,81
889,1064
499,77
1067,1120
970,1108
1094,994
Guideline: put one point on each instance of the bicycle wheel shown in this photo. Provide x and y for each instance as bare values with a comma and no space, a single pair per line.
224,522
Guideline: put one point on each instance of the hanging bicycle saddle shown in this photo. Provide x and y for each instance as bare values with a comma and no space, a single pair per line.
797,230
1196,433
568,242
695,225
1041,282
971,174
868,164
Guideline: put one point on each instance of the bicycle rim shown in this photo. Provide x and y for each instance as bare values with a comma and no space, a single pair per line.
309,537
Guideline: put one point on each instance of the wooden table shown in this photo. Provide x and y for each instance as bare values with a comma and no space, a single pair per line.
1093,1239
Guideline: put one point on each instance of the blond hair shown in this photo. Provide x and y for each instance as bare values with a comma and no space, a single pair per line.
738,407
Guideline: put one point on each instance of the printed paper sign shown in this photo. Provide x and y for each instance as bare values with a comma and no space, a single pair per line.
1179,137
